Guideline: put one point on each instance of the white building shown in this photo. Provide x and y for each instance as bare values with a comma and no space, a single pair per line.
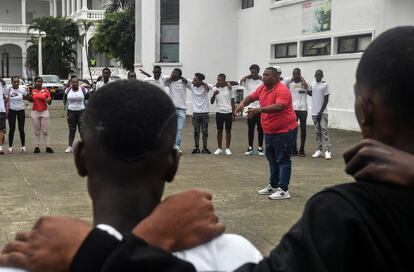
17,15
228,36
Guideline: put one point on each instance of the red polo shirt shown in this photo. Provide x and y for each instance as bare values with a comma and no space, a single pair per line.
39,99
278,122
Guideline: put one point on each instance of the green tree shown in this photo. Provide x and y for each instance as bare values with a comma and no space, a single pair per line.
58,48
115,34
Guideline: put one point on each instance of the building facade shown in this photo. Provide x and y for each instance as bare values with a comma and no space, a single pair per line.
17,15
219,36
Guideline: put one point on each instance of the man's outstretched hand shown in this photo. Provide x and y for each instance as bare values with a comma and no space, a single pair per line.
181,221
370,160
49,246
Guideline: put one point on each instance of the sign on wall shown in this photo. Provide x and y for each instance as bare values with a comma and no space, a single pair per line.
316,16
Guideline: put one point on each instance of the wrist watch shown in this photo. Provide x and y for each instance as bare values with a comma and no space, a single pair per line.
259,110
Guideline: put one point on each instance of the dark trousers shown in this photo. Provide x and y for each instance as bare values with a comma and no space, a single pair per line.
74,120
20,116
251,124
200,120
278,151
301,116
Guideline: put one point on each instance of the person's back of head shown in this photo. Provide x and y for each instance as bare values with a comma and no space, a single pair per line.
128,133
383,89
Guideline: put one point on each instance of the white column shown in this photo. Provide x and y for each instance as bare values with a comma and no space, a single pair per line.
23,12
67,7
85,71
72,6
50,7
78,5
24,55
138,34
63,8
84,4
54,8
39,59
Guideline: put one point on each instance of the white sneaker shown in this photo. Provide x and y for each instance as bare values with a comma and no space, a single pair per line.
218,151
23,149
249,152
68,150
279,194
10,150
1,150
328,155
317,154
178,149
260,152
228,152
267,191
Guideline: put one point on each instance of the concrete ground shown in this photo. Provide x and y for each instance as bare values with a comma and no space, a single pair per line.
32,185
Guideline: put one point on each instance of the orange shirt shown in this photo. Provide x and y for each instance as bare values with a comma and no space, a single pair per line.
39,99
277,122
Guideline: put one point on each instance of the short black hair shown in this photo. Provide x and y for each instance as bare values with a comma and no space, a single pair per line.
254,66
179,71
222,75
38,77
130,72
156,67
130,120
391,53
297,69
13,78
106,69
200,76
273,69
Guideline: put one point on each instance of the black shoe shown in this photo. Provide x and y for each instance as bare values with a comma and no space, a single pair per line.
295,153
195,151
49,150
206,151
36,150
301,153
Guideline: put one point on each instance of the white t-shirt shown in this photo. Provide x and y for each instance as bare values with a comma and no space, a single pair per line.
319,90
100,84
2,93
299,95
16,98
159,82
250,85
200,98
224,253
178,93
223,99
76,100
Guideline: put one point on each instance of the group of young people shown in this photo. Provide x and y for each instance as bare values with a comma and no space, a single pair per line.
360,226
12,107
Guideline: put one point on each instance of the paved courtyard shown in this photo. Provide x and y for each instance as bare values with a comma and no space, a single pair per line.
32,185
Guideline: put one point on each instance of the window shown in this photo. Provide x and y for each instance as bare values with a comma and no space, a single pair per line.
247,4
286,50
316,48
353,44
170,30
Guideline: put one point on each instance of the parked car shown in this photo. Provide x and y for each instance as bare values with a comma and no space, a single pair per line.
53,84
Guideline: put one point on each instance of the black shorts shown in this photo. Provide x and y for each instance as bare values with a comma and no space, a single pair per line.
2,120
224,118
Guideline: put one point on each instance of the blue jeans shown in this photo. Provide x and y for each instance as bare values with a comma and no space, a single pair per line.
180,126
278,152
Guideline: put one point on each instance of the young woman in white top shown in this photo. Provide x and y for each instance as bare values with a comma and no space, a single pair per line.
16,105
74,101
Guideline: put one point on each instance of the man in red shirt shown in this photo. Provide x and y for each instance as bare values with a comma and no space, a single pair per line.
279,125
